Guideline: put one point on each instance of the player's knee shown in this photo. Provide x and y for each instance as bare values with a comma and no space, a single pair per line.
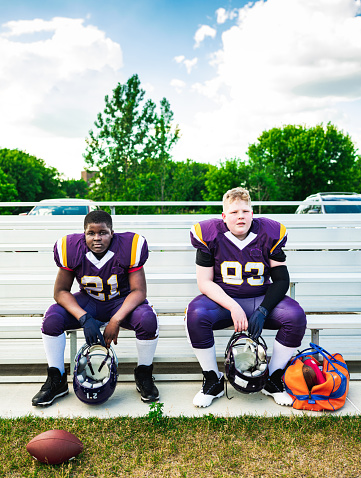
148,324
53,323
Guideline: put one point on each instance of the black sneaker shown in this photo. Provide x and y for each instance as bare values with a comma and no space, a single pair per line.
56,385
213,387
275,388
144,381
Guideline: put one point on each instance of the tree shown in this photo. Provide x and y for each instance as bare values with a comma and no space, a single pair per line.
30,177
118,145
302,161
74,188
227,175
8,192
161,140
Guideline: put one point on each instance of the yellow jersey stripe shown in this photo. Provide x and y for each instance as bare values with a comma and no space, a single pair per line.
198,231
63,251
133,254
282,235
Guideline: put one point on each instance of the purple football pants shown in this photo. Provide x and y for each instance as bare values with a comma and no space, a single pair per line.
204,315
143,320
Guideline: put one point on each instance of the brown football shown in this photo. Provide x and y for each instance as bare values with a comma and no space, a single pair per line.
310,376
54,447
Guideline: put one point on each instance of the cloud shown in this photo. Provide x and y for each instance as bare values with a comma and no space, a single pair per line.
179,85
53,78
203,32
189,64
283,62
223,15
179,59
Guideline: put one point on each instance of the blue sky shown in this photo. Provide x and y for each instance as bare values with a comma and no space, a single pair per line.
230,69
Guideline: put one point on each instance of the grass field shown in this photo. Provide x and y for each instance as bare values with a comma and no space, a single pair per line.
156,446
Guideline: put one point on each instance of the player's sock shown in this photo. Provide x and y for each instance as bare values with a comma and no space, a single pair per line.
207,359
146,351
54,350
280,356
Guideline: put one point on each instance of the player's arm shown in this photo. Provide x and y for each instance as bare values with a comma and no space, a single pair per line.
63,296
212,290
275,293
137,295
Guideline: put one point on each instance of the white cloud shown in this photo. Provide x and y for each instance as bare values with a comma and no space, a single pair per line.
223,15
52,88
179,59
189,64
203,32
179,85
283,62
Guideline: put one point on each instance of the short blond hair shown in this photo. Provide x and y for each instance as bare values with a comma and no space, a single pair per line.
235,194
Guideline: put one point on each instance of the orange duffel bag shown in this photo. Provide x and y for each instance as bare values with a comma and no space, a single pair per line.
315,388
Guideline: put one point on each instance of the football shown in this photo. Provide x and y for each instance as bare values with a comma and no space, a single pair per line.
54,447
310,376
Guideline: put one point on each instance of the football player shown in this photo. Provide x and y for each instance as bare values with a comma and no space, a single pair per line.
236,258
109,269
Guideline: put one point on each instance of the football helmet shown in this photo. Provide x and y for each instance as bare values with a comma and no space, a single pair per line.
95,374
246,363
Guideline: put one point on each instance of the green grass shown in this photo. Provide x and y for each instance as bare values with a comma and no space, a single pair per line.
156,446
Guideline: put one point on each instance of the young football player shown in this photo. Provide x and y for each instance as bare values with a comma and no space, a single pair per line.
109,269
235,260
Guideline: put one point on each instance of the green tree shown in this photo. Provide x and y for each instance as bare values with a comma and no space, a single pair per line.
29,176
8,192
302,161
161,140
227,175
119,143
75,188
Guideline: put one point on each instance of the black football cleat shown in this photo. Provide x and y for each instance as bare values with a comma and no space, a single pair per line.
56,386
144,381
213,387
275,388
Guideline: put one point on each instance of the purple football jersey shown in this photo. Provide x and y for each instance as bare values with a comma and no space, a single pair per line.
104,278
241,268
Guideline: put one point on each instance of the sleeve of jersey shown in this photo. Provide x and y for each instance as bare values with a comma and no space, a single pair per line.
279,242
139,253
199,237
64,253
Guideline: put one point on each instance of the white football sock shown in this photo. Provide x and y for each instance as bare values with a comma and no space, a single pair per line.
207,359
146,351
54,350
280,356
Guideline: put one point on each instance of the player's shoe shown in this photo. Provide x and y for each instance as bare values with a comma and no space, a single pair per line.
56,386
213,387
144,381
275,388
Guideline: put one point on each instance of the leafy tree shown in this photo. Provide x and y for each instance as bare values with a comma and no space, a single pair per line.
8,192
229,174
302,161
29,176
161,140
75,188
119,142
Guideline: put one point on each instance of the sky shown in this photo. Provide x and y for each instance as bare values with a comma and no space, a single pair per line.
230,69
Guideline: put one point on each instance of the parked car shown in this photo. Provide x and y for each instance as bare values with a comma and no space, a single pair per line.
61,207
324,204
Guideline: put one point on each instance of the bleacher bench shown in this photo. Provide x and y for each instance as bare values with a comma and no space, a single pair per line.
323,256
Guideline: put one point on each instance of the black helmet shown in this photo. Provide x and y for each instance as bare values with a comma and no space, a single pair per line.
246,363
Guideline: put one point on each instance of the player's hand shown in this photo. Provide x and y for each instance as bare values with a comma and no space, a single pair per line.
239,318
256,322
91,329
111,333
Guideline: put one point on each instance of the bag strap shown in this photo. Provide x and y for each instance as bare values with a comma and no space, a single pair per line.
326,355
